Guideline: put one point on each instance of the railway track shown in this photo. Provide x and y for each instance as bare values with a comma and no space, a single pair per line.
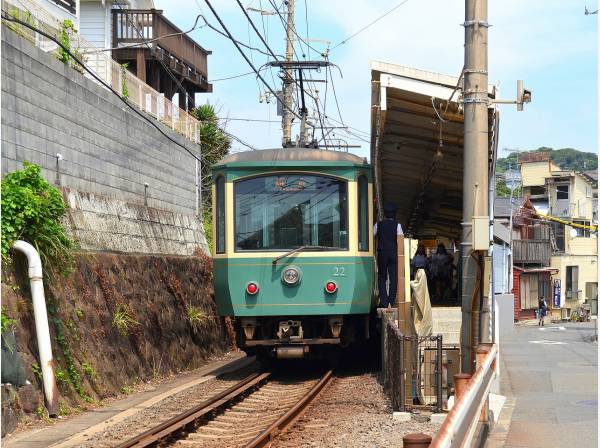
249,414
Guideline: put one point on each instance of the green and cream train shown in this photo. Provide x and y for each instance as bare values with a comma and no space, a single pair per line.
293,249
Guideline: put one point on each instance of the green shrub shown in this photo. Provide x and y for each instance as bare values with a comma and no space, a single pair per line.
31,211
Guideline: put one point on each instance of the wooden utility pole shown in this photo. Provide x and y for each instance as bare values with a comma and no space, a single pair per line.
288,89
475,157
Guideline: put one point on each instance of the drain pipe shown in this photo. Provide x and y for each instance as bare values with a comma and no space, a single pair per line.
41,323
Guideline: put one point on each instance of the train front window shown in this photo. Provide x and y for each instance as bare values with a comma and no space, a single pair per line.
287,211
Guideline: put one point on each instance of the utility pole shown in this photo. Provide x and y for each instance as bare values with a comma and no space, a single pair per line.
475,180
288,89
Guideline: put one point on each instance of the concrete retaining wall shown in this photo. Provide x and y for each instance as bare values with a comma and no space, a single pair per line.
101,223
108,152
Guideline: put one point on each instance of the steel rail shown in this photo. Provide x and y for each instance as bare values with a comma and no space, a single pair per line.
287,419
178,422
460,423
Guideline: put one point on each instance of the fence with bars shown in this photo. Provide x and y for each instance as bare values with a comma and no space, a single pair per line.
412,369
126,84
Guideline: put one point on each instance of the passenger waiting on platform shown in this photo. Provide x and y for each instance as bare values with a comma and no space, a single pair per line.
420,261
441,271
386,234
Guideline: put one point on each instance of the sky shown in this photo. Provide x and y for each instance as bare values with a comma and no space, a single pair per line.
550,44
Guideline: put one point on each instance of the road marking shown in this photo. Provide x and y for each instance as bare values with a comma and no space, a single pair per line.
546,342
552,328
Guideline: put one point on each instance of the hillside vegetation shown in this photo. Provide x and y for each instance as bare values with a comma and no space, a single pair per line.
566,158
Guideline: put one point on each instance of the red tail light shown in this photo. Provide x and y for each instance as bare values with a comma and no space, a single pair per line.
251,288
330,287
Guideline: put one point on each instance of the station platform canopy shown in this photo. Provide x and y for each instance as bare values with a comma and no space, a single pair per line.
417,130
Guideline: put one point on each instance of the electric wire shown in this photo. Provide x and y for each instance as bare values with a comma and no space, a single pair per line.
370,24
231,77
248,60
138,44
294,30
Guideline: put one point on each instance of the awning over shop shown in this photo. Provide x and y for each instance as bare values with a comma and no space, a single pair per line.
417,147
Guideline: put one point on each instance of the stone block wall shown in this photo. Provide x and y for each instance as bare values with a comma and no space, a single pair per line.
107,151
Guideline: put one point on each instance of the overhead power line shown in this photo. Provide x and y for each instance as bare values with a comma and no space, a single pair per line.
284,23
231,77
248,60
370,24
256,29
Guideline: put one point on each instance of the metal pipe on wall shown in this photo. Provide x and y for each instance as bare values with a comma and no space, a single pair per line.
475,158
41,324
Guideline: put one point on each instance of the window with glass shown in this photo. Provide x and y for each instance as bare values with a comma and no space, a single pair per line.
562,192
287,211
558,234
572,277
363,213
582,232
220,215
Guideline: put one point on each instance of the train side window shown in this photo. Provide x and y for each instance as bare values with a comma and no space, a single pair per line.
220,215
363,214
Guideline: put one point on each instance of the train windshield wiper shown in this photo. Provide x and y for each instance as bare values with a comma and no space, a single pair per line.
301,249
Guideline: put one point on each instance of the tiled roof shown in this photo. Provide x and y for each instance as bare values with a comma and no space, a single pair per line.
502,206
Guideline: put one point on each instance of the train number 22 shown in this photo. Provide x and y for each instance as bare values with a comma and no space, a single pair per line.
339,271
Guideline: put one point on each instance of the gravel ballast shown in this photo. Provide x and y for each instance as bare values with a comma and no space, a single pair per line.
352,412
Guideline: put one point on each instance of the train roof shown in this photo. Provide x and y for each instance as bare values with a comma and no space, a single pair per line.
293,155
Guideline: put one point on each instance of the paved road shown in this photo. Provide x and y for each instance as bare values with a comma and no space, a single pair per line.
549,375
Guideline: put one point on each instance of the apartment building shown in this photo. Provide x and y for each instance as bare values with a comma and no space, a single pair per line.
570,196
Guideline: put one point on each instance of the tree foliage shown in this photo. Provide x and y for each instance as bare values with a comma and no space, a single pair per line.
31,211
503,191
566,158
215,145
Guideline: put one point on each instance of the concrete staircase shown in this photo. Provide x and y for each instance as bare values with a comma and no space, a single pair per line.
447,321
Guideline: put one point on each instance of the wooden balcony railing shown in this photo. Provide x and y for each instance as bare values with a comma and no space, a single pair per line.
132,26
532,252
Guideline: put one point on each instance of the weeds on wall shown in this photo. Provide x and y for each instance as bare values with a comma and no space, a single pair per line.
23,16
31,211
66,35
8,324
123,319
124,88
71,376
196,317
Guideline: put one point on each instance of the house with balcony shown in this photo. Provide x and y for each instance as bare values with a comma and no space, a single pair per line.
569,196
531,257
150,46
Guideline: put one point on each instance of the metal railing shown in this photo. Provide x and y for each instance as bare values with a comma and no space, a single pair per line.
471,406
140,25
412,369
133,89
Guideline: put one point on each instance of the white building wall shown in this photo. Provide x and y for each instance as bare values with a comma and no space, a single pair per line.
95,28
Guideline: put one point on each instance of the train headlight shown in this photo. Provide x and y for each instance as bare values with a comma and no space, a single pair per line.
290,275
252,288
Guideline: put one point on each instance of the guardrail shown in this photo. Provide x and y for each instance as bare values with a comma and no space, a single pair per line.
471,406
130,87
